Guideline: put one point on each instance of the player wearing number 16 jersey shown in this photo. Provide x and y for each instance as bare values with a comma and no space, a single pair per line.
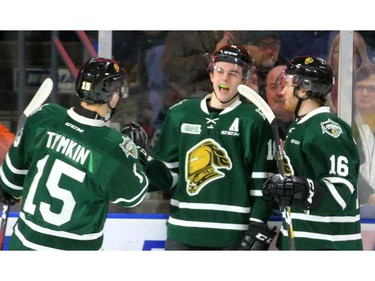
67,165
322,165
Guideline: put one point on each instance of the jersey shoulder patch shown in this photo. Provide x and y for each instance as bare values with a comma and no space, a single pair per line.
331,128
129,147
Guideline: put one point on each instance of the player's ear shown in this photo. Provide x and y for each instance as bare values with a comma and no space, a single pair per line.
303,93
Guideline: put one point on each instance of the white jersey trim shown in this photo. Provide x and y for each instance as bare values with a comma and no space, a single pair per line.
327,237
141,194
14,169
256,193
322,109
172,165
32,245
261,175
328,219
341,180
63,234
84,120
8,183
205,206
201,224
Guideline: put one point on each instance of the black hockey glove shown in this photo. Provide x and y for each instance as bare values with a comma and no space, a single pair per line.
139,136
257,237
289,191
5,197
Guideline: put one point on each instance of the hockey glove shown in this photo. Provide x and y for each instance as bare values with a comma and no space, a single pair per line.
7,198
257,237
139,136
289,191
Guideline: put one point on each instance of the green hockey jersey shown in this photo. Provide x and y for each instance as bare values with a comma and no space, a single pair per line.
320,146
67,168
219,161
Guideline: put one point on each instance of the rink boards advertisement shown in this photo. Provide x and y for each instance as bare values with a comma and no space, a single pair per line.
147,232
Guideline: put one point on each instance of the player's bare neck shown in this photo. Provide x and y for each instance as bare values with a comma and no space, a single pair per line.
98,109
86,112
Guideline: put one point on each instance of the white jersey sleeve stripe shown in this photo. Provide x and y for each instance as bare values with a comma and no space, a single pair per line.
13,169
8,183
335,194
341,180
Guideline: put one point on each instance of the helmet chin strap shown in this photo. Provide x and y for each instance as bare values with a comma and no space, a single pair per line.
110,114
224,102
299,103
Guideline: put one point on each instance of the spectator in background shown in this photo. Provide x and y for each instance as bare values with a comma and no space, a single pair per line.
186,56
6,140
276,99
360,58
364,130
264,48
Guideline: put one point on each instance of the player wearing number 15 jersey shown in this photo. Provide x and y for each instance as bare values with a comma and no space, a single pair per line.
322,164
67,165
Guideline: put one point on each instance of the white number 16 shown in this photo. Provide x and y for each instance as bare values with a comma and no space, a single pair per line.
339,166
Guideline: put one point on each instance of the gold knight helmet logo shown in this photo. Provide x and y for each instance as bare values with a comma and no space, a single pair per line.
203,163
309,60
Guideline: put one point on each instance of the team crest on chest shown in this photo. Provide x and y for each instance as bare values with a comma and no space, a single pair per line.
331,128
203,165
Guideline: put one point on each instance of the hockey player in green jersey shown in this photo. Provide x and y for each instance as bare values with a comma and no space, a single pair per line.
321,165
216,152
67,165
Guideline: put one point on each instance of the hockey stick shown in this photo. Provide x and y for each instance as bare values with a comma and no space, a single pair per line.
39,98
4,221
256,99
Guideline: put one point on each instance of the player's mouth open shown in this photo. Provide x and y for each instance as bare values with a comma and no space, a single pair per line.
223,87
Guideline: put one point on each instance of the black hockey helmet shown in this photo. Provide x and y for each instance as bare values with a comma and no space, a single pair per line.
233,54
313,74
97,80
